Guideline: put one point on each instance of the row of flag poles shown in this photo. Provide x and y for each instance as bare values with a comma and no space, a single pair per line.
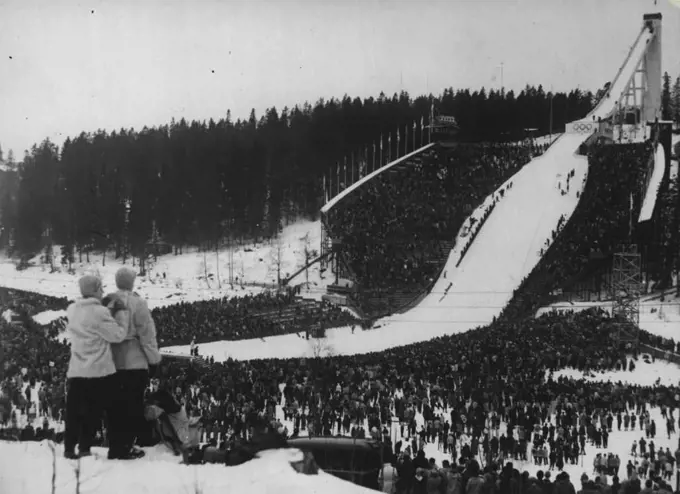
362,163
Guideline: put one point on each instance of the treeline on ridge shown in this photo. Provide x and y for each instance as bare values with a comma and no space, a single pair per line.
199,183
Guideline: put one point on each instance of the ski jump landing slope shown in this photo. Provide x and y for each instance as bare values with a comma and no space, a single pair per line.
506,248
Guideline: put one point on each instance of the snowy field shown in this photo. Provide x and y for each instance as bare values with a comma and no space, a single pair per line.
174,279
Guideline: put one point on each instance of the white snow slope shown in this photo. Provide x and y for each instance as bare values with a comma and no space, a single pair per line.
654,184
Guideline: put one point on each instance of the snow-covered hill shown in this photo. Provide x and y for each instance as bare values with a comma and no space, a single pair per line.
183,278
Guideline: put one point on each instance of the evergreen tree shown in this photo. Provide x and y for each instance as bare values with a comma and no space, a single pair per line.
192,183
675,101
666,113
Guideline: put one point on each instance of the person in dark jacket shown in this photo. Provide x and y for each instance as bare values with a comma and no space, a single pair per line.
563,485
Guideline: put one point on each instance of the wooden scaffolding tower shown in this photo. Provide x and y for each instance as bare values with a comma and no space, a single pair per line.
627,288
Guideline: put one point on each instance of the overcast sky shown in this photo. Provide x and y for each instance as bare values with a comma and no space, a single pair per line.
67,66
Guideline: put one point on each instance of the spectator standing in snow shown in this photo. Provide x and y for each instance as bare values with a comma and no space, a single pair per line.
136,357
91,371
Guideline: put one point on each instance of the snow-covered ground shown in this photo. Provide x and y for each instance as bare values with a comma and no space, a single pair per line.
174,279
48,316
43,318
657,372
27,468
657,317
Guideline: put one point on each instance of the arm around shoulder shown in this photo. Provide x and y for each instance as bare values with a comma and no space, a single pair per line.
107,326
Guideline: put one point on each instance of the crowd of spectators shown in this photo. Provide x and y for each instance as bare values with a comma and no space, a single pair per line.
476,224
29,302
229,318
482,395
600,223
253,316
397,229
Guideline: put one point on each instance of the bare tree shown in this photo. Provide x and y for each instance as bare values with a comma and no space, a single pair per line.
308,253
217,263
321,348
277,257
242,274
204,268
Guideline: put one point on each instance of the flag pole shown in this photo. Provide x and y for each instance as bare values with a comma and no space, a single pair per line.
389,147
381,151
352,166
344,167
414,134
365,167
373,157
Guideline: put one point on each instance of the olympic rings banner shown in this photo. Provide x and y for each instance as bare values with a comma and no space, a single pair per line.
582,127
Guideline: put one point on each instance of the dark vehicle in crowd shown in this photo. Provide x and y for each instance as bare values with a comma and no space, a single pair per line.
359,461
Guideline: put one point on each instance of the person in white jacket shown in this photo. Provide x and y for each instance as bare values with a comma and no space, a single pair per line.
136,358
91,370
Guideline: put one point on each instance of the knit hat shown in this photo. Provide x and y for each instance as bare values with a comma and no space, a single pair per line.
125,279
90,285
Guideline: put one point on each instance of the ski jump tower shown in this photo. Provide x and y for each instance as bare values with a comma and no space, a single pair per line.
637,107
633,99
650,70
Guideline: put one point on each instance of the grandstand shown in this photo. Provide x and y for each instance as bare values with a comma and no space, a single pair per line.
420,203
